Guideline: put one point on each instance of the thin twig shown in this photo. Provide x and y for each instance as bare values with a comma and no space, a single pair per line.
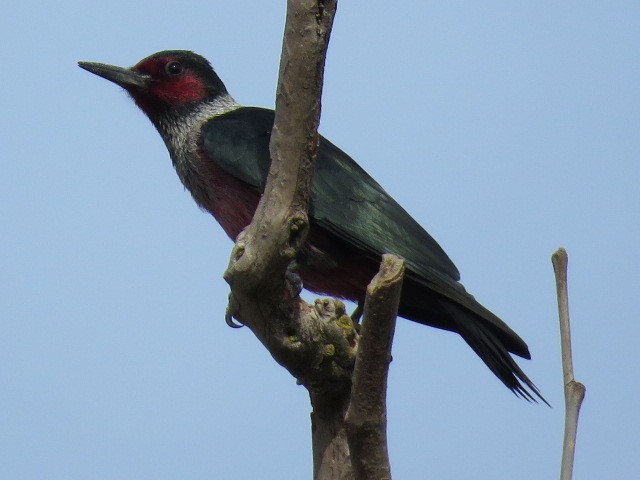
574,392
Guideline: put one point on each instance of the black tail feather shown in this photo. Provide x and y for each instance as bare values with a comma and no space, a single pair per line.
494,354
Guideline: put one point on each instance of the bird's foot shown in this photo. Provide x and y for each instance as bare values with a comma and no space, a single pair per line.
294,282
356,316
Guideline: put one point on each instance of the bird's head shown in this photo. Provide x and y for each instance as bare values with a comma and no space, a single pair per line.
165,82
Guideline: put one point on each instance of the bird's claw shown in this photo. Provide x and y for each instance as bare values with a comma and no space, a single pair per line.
232,309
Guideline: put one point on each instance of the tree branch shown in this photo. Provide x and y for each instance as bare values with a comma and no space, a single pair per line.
316,343
574,392
264,293
366,418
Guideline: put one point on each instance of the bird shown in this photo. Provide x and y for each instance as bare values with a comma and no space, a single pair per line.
220,151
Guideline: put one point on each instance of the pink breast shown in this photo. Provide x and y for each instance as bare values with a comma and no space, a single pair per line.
233,204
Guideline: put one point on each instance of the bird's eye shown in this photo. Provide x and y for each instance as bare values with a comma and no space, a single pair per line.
174,68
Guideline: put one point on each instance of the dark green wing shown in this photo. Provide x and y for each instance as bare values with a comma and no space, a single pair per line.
345,200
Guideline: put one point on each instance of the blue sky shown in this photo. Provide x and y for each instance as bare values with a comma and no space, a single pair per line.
506,130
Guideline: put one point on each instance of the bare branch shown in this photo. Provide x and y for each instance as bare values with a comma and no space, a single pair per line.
264,293
316,343
280,223
331,455
574,392
366,418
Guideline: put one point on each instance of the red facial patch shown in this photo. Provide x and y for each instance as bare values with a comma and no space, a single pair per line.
168,88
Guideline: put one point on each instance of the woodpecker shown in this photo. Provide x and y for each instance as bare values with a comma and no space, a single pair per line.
220,150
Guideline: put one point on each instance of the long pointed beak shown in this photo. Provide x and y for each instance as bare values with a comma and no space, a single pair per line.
121,76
